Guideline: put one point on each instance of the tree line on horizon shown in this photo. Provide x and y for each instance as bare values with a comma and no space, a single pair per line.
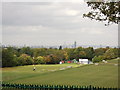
12,56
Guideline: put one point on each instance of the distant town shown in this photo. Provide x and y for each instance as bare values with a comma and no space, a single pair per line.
74,45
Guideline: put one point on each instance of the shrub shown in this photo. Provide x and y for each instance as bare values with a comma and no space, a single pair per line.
25,59
40,60
97,59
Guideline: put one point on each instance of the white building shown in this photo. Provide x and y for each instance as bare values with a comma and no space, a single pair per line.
84,61
60,62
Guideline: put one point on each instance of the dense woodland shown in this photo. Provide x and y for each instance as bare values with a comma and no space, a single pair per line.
12,56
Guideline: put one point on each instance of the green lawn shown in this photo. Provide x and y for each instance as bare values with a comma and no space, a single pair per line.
104,75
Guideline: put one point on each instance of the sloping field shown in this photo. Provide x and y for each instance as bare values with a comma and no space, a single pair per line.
104,75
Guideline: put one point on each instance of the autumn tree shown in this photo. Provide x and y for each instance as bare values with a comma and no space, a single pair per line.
111,53
82,54
97,59
51,59
70,53
100,51
25,59
40,60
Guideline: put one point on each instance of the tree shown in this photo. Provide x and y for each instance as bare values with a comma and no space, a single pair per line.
60,54
47,59
76,53
40,60
26,50
97,59
104,11
60,48
100,51
54,59
25,59
65,55
89,53
51,59
0,56
8,58
40,52
111,53
70,53
82,54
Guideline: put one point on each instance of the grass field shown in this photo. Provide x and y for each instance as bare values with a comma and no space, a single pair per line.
104,75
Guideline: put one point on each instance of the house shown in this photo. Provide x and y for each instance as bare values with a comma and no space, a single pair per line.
61,62
69,61
84,61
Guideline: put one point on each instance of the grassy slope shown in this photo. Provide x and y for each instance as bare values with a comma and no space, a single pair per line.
102,75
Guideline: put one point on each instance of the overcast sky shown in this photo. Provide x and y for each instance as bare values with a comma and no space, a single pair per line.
53,23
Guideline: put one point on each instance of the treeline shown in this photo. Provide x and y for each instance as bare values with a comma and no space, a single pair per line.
12,56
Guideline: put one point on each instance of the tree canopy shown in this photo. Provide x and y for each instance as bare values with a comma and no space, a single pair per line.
104,11
12,56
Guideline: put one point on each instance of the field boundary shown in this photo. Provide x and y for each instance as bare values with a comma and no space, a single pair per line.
54,87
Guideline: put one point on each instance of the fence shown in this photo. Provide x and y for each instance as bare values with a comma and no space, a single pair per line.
51,87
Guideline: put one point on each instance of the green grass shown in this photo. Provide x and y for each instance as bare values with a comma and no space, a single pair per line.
104,75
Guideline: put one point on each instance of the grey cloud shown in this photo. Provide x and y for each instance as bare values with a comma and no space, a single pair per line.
50,15
53,23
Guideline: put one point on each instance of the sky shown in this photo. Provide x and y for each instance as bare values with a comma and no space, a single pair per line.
53,23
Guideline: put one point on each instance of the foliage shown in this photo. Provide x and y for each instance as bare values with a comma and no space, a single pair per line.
97,59
82,54
25,59
51,59
89,53
26,50
40,60
52,87
104,11
70,53
100,51
60,48
111,53
40,52
8,58
13,56
0,56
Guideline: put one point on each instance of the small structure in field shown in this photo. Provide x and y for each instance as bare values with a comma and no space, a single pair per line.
96,64
116,64
118,57
62,68
104,61
84,61
61,62
74,61
69,66
69,61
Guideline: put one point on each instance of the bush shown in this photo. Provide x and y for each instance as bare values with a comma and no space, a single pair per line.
25,59
111,53
8,58
97,59
40,60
